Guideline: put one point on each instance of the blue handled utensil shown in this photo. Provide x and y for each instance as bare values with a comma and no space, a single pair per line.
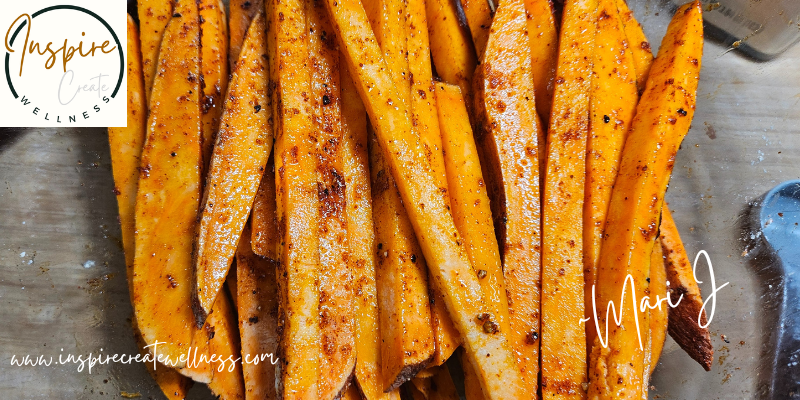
779,219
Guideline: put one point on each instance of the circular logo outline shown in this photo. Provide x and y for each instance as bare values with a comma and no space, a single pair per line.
74,8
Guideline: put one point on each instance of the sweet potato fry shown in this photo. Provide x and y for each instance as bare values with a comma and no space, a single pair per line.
685,319
451,46
264,218
242,14
154,15
479,18
258,319
425,204
126,149
238,162
563,340
543,38
223,341
405,316
613,102
662,120
297,196
439,386
403,293
472,387
658,316
361,237
214,67
637,43
338,352
424,113
509,133
169,191
352,393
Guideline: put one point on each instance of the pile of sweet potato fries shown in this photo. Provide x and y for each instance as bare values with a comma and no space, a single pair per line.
368,186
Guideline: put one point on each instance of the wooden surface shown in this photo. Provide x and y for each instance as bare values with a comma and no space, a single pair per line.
57,207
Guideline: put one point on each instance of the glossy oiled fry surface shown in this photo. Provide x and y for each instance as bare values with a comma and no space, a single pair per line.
508,134
469,200
613,103
214,67
361,238
451,46
153,18
242,13
223,341
543,37
426,206
338,353
264,218
563,338
662,119
405,315
658,316
479,18
258,319
238,162
685,319
169,192
297,199
637,43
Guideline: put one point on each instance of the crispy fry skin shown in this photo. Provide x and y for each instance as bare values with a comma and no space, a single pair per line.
563,343
154,15
297,200
637,43
613,102
684,324
439,386
214,67
405,316
361,238
338,353
258,318
242,14
479,18
169,192
223,341
424,114
451,46
266,237
543,37
509,133
239,159
425,204
126,150
662,119
658,316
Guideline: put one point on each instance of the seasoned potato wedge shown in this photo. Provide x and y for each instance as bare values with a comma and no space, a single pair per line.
637,43
685,319
242,14
451,46
297,200
425,204
439,386
126,149
154,15
543,38
405,317
479,18
662,119
169,192
509,133
257,294
338,351
658,316
238,162
612,105
223,341
265,236
214,67
563,338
